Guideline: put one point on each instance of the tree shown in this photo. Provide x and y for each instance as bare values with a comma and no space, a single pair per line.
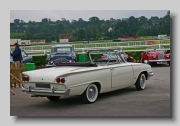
81,34
16,21
94,28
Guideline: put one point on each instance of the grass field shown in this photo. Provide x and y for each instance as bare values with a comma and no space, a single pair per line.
16,35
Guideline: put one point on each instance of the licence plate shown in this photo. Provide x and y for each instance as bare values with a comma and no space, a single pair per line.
161,62
38,85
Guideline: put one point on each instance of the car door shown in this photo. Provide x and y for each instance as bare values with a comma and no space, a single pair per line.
121,74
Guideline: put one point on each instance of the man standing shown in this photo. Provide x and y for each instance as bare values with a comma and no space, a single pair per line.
17,56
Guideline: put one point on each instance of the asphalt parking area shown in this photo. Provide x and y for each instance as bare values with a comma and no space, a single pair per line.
154,101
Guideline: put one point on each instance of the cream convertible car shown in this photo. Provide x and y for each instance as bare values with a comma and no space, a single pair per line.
86,79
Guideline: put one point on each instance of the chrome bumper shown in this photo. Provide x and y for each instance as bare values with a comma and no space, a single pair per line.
50,65
52,91
151,73
158,60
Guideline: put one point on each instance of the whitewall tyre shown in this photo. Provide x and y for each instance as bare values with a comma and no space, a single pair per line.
141,82
90,94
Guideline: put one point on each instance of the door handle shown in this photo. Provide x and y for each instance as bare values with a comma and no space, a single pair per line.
112,69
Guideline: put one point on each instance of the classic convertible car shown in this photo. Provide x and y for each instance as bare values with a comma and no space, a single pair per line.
86,79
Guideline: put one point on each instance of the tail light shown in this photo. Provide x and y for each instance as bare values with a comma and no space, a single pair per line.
25,78
63,80
60,80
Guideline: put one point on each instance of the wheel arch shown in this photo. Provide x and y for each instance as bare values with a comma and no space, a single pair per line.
145,73
98,85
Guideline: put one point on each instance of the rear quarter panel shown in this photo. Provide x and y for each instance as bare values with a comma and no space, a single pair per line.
78,82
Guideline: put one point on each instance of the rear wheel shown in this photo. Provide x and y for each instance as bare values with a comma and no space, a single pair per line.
141,82
53,98
90,94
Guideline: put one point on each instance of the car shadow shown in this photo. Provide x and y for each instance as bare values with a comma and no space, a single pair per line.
76,100
160,65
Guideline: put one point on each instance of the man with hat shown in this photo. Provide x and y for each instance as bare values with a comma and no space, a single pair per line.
17,56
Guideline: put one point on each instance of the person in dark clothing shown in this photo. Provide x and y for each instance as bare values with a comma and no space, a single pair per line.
17,56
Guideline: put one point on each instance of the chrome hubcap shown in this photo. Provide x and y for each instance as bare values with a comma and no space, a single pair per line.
91,93
142,81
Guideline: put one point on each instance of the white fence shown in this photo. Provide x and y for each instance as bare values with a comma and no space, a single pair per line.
43,52
45,49
92,45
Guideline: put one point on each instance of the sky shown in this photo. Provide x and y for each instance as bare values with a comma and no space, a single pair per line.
38,15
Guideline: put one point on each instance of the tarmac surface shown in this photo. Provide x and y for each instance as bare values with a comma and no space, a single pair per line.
154,101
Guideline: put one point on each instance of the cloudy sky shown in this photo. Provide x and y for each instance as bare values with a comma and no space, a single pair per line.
38,15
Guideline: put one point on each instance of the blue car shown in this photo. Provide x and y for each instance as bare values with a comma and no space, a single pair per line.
63,52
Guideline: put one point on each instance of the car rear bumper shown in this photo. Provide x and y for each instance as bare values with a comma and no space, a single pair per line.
49,92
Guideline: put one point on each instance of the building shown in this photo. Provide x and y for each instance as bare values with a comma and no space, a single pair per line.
13,41
162,36
25,42
38,41
65,37
20,42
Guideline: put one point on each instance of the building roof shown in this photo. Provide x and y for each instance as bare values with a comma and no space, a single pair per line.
65,34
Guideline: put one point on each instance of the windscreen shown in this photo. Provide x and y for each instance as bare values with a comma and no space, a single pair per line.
61,49
105,58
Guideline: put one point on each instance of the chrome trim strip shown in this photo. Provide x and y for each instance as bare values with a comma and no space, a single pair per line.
52,91
158,60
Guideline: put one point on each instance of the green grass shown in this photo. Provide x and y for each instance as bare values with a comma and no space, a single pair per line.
16,35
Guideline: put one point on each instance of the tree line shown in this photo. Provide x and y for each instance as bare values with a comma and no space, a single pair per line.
92,29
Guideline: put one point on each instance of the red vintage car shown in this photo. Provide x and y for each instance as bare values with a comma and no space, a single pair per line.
155,55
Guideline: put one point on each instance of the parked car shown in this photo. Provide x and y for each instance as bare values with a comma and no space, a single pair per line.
113,55
26,58
86,79
155,55
63,52
127,57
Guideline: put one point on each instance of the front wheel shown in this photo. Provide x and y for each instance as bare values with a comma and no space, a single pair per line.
53,98
141,82
90,94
